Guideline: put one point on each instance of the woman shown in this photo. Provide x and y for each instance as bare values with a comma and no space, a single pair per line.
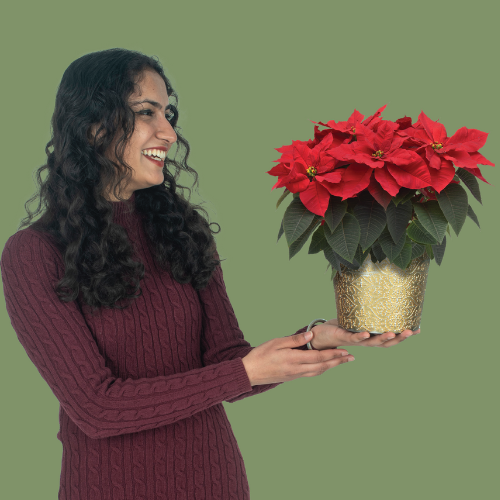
117,295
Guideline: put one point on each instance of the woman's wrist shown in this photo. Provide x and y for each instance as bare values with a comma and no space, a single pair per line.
315,342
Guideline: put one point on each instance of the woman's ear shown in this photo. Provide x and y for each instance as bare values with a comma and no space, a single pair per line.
92,131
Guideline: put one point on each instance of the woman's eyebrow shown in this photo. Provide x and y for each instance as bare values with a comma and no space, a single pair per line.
154,103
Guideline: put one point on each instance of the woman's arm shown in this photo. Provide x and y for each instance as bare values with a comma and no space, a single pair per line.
222,339
58,341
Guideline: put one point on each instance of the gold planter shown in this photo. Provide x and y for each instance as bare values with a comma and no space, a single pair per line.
381,297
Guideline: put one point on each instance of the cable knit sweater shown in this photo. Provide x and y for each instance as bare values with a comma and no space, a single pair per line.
140,389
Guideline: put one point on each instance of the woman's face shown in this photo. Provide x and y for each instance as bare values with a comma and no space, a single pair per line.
152,130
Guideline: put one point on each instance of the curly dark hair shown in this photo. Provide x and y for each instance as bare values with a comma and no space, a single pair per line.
78,217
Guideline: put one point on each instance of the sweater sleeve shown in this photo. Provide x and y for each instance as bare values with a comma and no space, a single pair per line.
222,339
58,341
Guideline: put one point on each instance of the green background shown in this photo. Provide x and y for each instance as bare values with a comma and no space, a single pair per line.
419,420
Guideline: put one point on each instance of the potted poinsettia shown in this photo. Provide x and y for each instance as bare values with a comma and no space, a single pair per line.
377,197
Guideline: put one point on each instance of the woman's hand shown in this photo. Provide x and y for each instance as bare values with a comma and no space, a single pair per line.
329,336
277,361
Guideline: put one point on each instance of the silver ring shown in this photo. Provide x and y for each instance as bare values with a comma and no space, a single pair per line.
311,324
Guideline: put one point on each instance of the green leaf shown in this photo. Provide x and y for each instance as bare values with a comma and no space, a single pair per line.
432,218
391,249
377,251
430,253
418,233
448,229
409,196
417,250
335,212
397,219
318,241
282,197
361,255
281,231
296,195
351,265
473,216
352,202
453,202
345,239
334,272
296,220
438,251
299,242
371,218
331,257
470,181
403,195
404,257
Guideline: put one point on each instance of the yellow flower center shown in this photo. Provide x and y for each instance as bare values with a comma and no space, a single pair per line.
311,171
378,153
436,145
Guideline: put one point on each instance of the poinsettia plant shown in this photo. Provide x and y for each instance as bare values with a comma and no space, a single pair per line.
378,187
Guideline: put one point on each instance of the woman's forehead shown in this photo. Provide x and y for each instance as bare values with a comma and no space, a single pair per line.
152,90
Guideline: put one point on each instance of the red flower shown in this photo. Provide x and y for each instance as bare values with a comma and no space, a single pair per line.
375,149
341,159
312,174
381,151
355,178
349,127
441,151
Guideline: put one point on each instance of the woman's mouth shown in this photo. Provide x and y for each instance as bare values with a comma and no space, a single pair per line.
157,162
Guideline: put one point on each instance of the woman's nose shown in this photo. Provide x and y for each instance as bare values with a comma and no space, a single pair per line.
166,131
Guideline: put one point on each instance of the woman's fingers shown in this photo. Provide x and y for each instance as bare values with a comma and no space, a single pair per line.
324,360
315,356
360,336
388,339
317,362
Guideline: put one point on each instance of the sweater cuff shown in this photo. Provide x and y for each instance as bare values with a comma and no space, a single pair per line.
241,377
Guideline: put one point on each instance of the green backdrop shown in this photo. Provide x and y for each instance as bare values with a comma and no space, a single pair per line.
415,421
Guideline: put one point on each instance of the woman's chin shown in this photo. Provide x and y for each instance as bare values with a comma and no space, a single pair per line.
156,182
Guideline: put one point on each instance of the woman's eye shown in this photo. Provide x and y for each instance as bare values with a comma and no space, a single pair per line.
171,116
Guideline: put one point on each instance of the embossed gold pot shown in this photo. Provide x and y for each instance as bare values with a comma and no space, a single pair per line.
381,297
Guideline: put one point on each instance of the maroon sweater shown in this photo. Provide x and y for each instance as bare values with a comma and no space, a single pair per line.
141,389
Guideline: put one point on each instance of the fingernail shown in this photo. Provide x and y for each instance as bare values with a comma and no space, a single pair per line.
308,335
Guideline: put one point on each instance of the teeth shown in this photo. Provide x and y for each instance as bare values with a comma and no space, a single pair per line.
155,152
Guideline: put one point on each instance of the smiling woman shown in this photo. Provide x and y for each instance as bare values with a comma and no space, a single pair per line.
111,108
153,134
140,384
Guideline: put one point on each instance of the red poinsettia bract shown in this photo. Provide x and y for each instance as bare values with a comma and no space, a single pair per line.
378,155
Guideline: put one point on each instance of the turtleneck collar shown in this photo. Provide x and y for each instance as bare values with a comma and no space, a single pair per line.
122,208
